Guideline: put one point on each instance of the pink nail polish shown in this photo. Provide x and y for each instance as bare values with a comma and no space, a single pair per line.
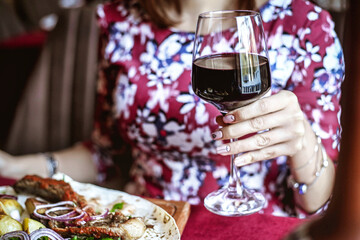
223,149
216,135
229,118
242,160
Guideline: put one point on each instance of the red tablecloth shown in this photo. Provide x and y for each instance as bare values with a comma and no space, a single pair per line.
203,224
6,181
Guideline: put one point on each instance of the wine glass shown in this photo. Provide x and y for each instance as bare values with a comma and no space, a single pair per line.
230,70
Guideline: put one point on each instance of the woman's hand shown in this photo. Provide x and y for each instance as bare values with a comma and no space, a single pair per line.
276,122
276,126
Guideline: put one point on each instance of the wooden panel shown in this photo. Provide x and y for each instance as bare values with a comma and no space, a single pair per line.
179,210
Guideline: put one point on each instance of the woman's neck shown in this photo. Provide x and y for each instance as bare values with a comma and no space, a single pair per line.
192,8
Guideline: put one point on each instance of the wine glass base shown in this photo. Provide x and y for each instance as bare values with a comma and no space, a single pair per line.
227,202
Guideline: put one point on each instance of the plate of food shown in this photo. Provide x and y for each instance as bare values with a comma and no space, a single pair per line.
61,208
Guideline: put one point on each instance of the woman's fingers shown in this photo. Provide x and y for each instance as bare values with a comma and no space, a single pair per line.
261,107
254,142
258,124
282,149
277,125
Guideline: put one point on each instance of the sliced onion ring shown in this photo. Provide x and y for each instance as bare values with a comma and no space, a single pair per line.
8,196
16,234
45,232
66,217
51,205
55,209
54,205
97,217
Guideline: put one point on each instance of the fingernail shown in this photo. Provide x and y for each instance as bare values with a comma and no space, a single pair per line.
242,160
216,135
229,118
223,149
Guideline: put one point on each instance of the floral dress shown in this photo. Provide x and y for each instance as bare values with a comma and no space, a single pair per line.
145,102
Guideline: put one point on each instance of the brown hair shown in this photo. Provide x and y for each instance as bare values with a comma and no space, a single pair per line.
155,10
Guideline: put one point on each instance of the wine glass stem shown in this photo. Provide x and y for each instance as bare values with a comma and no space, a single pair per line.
234,179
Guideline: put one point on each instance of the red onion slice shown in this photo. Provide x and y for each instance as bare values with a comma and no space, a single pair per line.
67,218
97,217
45,232
55,209
52,206
16,234
8,196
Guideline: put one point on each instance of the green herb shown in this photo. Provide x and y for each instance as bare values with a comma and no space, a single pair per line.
117,206
74,238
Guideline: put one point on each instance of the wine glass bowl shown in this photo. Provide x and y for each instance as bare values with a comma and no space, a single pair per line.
230,70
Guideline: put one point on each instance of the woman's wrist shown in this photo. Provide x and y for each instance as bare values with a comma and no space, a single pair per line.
20,166
306,157
311,159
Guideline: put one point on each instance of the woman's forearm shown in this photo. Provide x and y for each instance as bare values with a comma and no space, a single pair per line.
75,162
304,166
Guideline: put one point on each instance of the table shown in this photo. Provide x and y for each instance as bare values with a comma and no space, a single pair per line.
203,224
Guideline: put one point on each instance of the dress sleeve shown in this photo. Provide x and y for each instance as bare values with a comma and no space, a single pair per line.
317,77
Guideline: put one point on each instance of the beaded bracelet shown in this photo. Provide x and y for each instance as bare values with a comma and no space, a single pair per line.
52,164
303,187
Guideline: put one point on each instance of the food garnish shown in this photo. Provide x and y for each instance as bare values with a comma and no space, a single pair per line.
117,206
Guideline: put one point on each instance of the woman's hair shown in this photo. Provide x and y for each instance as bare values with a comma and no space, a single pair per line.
155,10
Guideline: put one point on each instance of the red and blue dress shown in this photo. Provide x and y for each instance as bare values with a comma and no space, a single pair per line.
145,100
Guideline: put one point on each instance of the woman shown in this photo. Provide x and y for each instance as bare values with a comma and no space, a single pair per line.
145,100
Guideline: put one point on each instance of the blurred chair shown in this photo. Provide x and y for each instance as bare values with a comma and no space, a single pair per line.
18,56
10,24
56,108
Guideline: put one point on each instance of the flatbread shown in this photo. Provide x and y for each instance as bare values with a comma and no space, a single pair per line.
163,226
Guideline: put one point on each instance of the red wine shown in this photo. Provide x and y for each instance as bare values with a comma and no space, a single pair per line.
231,80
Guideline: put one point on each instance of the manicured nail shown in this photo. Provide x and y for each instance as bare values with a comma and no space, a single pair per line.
216,135
229,118
242,160
223,149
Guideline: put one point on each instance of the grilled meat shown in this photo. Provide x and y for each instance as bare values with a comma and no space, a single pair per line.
49,189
